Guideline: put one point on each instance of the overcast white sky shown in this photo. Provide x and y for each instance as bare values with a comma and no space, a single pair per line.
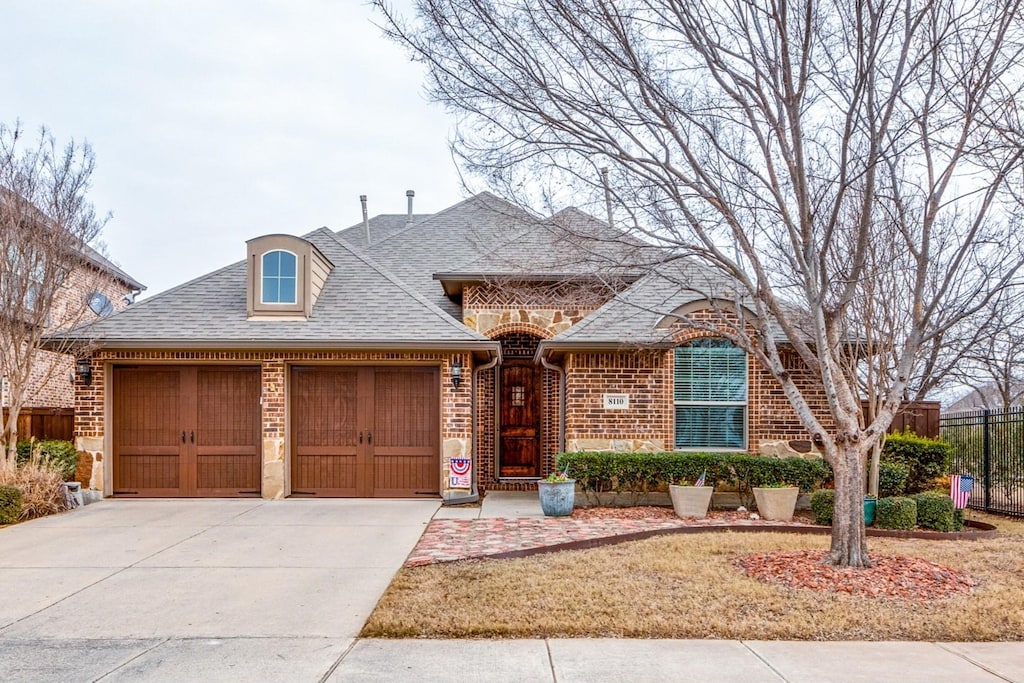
216,122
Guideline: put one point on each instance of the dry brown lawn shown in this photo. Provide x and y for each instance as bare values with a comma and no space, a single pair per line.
687,586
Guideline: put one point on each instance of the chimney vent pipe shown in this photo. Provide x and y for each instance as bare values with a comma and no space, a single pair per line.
408,218
366,218
607,196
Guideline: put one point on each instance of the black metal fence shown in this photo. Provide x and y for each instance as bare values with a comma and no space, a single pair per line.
989,445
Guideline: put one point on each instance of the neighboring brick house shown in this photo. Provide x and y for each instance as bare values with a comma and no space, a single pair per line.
95,289
361,363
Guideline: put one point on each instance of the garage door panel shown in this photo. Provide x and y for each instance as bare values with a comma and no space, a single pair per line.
325,459
227,438
406,432
147,443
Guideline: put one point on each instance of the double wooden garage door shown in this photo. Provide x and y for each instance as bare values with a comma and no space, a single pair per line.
356,431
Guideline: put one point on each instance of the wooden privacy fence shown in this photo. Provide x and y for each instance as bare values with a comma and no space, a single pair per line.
45,423
920,417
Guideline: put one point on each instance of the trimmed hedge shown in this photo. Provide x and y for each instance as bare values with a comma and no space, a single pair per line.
896,513
61,456
927,459
10,504
823,502
935,511
892,478
640,473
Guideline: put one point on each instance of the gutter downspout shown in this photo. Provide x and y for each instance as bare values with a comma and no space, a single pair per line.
561,400
474,493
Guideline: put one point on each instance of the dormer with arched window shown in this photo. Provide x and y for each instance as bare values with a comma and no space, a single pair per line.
284,276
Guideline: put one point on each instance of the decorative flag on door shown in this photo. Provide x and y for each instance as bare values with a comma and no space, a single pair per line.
960,487
459,473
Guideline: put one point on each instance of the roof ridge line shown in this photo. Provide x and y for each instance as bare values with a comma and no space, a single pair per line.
453,207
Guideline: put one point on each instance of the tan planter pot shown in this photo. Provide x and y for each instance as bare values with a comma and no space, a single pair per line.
777,504
691,501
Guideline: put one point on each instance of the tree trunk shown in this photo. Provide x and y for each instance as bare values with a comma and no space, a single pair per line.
9,439
849,541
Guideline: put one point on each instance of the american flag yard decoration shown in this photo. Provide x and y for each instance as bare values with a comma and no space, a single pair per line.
960,487
700,480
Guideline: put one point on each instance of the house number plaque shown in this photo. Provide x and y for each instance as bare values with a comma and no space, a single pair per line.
616,401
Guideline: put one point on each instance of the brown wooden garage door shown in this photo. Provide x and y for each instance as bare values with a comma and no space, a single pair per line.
365,431
186,431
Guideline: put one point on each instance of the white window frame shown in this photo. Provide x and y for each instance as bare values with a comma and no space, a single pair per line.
745,404
263,277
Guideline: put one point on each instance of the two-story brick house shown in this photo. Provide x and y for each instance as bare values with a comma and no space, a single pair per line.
366,362
94,289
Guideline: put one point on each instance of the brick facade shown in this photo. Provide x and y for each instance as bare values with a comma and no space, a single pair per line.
49,384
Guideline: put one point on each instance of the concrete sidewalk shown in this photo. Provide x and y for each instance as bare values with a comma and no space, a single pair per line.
657,661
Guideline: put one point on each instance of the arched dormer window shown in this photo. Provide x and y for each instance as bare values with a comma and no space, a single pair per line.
710,396
278,285
284,277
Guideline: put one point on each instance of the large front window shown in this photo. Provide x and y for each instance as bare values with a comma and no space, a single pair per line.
710,396
278,277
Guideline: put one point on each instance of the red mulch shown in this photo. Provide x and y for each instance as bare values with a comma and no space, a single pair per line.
899,578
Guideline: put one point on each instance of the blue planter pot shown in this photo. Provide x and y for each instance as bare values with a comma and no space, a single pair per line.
557,498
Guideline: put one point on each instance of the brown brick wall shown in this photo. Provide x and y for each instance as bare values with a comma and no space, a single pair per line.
641,374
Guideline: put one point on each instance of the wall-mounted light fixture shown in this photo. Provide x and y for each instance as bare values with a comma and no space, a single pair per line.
457,373
83,367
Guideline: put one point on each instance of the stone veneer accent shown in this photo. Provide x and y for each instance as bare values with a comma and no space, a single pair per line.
456,414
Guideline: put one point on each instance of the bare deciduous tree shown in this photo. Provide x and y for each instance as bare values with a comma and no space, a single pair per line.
854,166
993,365
46,223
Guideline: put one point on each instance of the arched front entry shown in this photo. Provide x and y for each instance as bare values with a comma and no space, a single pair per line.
519,406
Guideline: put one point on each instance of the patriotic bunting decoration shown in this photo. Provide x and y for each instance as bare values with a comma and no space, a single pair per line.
459,473
960,487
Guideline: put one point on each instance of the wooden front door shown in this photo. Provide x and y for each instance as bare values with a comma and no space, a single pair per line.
365,431
519,454
186,431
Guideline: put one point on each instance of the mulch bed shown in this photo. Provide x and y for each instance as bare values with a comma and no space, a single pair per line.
900,578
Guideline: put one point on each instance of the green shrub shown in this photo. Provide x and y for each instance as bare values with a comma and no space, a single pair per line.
598,474
10,504
892,478
823,503
896,513
60,456
926,458
958,518
936,511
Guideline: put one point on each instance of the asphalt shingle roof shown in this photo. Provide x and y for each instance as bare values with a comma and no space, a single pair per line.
633,316
360,302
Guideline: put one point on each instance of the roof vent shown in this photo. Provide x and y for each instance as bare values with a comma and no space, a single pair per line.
408,217
366,218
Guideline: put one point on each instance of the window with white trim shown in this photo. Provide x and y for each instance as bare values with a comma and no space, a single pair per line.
710,396
279,277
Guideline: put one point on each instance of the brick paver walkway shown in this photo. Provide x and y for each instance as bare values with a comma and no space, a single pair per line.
447,540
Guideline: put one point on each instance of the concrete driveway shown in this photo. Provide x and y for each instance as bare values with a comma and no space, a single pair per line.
197,589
